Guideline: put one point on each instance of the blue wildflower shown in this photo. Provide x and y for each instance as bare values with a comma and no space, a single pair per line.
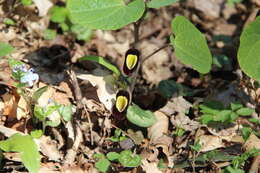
29,77
19,68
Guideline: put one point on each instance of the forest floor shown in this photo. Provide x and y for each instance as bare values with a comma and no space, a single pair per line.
180,140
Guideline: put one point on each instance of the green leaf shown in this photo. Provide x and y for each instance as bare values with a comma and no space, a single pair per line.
102,165
223,116
103,62
9,21
65,112
196,147
36,133
26,146
160,3
112,156
26,2
245,111
249,50
140,117
246,131
206,118
5,49
37,94
39,113
49,34
168,87
58,14
190,45
235,106
82,32
128,159
105,14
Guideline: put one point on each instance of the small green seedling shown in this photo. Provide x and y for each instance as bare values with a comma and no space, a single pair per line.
53,114
126,158
215,112
239,161
118,136
179,131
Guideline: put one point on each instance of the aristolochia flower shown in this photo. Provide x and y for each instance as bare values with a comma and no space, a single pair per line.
29,77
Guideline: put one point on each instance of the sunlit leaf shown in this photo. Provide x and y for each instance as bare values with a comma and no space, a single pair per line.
140,117
105,14
26,146
190,45
249,50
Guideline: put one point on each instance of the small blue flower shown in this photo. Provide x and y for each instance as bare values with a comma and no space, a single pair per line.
29,77
20,67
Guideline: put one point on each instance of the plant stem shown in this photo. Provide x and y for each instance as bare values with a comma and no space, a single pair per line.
153,53
137,29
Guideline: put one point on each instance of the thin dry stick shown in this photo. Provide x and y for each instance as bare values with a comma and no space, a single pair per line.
80,105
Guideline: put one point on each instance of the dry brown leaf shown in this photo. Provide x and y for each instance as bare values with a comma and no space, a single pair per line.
176,105
184,122
160,128
43,6
150,167
10,105
252,142
103,81
49,148
209,142
22,109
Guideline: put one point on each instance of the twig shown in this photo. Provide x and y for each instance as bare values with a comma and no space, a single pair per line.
80,105
72,152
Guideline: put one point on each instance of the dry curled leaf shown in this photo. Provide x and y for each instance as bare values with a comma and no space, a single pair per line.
104,82
159,128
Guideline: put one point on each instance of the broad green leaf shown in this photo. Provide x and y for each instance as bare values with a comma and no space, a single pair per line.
5,49
140,117
37,94
190,45
128,159
245,111
160,3
58,14
26,146
249,50
105,14
103,62
112,156
66,112
102,165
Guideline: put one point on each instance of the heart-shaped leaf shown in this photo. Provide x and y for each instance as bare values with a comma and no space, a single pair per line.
190,45
128,159
249,50
140,117
105,14
5,49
